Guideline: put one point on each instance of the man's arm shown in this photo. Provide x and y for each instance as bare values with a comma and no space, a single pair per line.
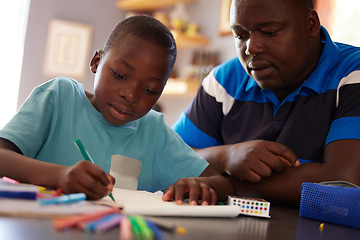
341,162
251,160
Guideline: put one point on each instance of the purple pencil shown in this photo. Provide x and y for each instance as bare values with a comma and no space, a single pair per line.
109,224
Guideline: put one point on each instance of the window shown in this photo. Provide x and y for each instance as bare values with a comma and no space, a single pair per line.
13,19
341,18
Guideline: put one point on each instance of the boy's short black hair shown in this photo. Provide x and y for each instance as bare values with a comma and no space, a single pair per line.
145,27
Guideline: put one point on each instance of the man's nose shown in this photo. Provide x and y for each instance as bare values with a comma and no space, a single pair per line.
254,45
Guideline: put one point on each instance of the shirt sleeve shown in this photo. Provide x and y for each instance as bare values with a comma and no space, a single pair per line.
346,124
200,124
30,125
174,158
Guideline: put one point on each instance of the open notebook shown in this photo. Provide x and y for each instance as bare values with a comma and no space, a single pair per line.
146,203
131,201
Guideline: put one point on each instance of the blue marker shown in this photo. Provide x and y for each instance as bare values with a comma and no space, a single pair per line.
66,199
18,195
157,232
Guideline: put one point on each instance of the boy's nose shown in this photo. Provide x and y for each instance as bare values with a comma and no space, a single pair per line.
129,95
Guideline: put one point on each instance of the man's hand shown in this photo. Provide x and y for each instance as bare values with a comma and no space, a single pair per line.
258,159
250,161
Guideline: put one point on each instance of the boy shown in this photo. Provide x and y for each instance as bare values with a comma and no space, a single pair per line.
37,145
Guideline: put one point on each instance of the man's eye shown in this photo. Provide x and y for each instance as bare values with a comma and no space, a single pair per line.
271,33
241,36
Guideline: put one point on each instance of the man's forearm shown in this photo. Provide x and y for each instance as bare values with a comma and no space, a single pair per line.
214,156
283,188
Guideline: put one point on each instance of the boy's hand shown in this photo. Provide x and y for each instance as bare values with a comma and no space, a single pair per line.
87,178
193,188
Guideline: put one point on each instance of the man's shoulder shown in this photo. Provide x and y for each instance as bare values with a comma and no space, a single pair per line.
349,55
229,66
231,76
230,71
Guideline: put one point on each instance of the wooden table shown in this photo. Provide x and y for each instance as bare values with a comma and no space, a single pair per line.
284,223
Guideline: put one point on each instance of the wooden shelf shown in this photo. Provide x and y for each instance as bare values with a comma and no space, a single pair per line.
176,87
148,5
183,41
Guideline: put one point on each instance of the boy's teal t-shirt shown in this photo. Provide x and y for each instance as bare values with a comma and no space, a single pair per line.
58,112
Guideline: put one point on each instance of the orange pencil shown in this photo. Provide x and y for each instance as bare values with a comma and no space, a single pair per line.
62,223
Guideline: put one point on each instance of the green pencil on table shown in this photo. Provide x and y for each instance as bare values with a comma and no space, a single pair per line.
86,156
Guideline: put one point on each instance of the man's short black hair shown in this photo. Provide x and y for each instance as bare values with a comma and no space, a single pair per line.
145,27
305,4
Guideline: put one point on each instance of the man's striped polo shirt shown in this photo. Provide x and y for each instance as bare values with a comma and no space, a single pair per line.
230,107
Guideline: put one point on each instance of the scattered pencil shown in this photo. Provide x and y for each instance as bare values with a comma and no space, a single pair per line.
87,157
68,222
125,229
9,180
181,230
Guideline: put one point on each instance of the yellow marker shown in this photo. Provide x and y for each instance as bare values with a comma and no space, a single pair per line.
321,227
181,230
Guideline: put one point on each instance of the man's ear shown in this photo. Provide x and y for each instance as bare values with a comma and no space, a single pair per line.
313,23
95,61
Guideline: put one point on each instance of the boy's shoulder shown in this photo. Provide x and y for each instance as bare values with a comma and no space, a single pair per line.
60,82
63,86
153,115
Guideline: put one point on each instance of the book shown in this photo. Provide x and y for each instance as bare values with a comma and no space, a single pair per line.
135,202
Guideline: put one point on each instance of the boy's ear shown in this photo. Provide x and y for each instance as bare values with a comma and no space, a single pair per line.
94,63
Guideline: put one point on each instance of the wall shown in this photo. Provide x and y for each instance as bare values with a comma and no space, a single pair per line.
103,15
206,14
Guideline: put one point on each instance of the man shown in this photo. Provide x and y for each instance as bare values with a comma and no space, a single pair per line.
292,96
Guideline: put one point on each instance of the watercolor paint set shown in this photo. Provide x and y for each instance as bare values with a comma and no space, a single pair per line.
251,206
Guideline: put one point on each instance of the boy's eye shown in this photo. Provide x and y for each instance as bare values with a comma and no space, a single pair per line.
149,91
118,75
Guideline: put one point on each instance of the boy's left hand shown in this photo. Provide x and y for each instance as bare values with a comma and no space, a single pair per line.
194,188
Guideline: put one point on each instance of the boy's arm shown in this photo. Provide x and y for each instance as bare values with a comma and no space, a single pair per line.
207,188
82,177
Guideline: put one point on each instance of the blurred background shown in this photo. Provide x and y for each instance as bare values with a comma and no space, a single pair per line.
42,39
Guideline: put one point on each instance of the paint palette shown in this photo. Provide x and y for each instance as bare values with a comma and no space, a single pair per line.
251,206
